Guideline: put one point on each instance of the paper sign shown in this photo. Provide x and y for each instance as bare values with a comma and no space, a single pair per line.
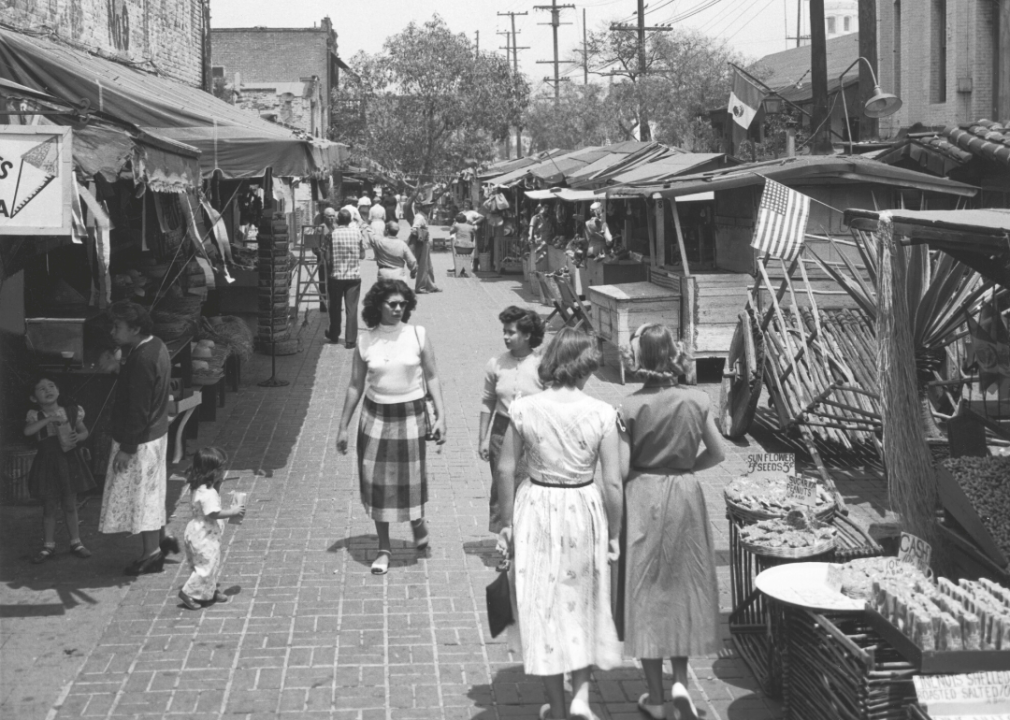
36,180
801,490
771,464
915,551
972,695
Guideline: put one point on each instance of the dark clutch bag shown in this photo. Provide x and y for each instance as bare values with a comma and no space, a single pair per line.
429,418
499,604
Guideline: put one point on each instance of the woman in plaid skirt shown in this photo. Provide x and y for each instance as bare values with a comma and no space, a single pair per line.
394,364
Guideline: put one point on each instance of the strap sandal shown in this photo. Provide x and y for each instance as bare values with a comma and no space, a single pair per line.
656,712
420,530
80,551
151,564
380,566
580,711
169,545
188,602
45,553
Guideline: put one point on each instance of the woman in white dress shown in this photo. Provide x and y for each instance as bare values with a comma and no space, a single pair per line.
562,527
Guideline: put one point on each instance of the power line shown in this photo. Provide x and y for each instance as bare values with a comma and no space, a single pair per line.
554,23
515,68
644,131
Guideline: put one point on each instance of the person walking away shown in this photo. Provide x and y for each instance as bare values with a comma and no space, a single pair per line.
59,471
351,206
344,253
389,205
204,531
420,244
393,365
377,220
475,218
393,257
462,234
598,234
562,528
513,374
671,596
137,476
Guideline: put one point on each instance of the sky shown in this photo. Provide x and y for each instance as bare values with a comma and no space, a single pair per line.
752,27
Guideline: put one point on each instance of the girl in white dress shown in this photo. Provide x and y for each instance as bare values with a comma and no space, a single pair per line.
562,528
203,533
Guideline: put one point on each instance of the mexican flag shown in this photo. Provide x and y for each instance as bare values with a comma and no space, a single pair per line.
744,100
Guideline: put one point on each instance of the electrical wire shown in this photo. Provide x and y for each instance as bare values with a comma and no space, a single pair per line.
748,22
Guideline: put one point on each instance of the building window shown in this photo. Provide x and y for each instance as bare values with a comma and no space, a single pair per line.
217,71
845,23
897,47
831,26
938,86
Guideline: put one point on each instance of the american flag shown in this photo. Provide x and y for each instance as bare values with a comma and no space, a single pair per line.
781,222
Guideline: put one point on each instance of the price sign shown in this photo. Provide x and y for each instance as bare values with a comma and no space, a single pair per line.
771,464
802,490
972,695
915,551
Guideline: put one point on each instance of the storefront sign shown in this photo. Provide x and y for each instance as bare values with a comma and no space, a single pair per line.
36,180
969,696
915,551
771,464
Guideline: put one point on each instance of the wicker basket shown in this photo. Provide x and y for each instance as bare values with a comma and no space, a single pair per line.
820,548
748,515
171,330
207,377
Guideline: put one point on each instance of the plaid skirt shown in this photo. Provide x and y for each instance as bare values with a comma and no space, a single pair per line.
392,473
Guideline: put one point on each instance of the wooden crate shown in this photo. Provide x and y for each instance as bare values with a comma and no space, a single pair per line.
719,298
619,309
612,273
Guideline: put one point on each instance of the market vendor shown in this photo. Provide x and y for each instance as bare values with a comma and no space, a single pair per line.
597,233
541,228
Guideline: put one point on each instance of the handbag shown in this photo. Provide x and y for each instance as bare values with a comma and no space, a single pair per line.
499,603
430,414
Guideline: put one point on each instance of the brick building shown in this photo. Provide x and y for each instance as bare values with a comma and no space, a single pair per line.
168,36
949,60
286,74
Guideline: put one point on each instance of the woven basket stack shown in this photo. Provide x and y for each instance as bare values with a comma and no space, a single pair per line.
274,333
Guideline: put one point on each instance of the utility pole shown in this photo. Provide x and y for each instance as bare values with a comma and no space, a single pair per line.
868,127
819,119
585,50
554,23
644,131
477,33
515,70
800,37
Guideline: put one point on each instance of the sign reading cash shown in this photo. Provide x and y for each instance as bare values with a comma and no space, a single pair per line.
36,180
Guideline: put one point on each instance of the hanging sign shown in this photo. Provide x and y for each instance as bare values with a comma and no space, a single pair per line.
972,695
36,180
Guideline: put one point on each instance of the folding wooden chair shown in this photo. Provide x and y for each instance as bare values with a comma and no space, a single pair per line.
576,309
552,295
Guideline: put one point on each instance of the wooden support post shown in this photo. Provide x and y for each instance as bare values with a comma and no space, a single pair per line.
688,309
659,243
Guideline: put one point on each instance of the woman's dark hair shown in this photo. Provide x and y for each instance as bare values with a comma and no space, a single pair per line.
206,462
527,322
461,218
382,290
569,357
655,353
134,315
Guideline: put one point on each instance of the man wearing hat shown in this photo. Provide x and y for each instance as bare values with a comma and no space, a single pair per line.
597,233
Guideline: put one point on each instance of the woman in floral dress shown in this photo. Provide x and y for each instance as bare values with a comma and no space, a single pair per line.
562,528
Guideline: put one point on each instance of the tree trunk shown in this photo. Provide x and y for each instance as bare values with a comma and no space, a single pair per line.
930,430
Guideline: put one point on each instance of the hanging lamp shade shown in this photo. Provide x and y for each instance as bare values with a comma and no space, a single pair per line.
881,104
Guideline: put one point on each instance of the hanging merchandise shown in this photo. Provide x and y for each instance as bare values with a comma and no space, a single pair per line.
496,220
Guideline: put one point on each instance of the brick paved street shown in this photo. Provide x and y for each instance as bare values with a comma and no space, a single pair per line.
310,633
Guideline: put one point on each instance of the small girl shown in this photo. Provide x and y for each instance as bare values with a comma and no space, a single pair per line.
203,533
59,470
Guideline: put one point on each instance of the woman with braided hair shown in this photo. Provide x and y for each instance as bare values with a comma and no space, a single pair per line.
671,596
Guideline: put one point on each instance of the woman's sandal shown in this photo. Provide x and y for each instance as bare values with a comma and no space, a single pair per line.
188,602
656,712
380,566
420,538
580,711
683,706
80,551
46,553
151,564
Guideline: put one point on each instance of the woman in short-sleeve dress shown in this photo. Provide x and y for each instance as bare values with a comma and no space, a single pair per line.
563,525
671,596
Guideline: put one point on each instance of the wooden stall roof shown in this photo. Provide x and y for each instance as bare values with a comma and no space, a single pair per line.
801,170
978,238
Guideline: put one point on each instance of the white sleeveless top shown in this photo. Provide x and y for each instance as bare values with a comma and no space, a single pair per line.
393,357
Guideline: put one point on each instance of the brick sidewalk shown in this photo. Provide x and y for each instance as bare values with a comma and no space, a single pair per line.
310,633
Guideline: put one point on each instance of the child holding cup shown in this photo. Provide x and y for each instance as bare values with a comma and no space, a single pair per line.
203,533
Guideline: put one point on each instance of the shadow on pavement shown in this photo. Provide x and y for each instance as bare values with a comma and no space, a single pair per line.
485,550
364,548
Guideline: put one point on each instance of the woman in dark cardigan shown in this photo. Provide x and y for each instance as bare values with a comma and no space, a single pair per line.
137,477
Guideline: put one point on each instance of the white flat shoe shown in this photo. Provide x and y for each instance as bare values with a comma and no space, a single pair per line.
656,712
682,703
580,711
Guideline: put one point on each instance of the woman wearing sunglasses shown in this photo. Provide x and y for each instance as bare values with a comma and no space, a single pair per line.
394,365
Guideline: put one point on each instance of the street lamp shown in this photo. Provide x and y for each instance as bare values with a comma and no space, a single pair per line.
880,104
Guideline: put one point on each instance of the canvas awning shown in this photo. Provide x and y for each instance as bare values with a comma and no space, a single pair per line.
232,140
566,194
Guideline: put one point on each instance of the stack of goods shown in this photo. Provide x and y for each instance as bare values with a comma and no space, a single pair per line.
755,497
972,615
986,483
798,534
175,316
274,334
229,331
858,575
243,257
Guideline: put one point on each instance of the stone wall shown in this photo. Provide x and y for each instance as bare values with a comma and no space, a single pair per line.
166,35
294,109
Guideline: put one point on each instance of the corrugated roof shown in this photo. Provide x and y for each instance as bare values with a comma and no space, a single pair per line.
599,173
799,171
663,168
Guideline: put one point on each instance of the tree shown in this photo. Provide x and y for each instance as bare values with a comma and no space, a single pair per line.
428,103
581,117
687,75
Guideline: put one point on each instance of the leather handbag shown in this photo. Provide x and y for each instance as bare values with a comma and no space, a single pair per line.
499,602
430,414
